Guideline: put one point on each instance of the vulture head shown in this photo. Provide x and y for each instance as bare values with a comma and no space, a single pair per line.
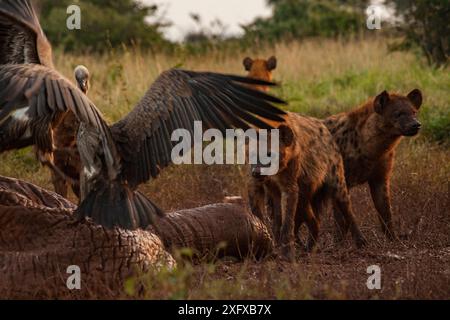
82,77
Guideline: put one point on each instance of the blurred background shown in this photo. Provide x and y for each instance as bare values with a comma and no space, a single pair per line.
199,24
222,32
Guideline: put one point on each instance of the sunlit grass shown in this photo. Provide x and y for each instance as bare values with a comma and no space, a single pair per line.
317,78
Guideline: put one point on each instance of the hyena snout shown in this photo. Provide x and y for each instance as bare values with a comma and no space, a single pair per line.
412,128
258,169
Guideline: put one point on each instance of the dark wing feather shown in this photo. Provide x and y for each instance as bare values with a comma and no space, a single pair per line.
21,37
52,92
176,100
40,96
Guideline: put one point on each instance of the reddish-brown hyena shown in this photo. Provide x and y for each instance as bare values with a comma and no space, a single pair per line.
368,137
311,172
260,69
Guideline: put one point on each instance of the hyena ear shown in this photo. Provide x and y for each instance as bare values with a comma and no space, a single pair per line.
416,98
248,62
272,63
286,135
381,102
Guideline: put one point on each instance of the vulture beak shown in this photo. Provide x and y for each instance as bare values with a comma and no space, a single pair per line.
82,78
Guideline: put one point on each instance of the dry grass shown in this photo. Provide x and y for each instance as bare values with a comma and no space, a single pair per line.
319,78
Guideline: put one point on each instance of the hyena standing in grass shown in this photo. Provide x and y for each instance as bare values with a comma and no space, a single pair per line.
311,172
367,138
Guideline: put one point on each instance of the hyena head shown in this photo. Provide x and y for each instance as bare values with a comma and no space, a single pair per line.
260,69
399,113
283,155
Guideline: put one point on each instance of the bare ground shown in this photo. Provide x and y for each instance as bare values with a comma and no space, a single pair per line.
415,267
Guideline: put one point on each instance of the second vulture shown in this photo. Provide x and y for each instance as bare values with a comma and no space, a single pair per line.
117,159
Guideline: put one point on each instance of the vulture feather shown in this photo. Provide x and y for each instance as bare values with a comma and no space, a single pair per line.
117,159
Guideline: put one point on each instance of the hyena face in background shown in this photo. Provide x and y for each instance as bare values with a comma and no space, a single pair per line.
260,69
368,137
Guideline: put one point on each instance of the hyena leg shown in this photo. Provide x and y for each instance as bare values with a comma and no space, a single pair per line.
256,200
313,225
76,189
60,184
319,206
274,207
342,226
306,213
343,205
61,181
342,202
289,202
299,221
380,192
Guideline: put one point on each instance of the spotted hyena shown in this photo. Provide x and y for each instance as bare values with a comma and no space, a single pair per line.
66,157
368,137
311,172
260,69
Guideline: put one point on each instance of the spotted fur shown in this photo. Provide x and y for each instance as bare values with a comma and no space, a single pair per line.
311,172
367,138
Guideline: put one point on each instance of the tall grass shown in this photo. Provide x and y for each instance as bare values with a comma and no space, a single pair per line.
317,77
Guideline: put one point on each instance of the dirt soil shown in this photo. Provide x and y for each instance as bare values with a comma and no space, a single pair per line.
417,266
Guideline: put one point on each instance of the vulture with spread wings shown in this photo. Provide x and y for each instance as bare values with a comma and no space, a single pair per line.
23,42
115,159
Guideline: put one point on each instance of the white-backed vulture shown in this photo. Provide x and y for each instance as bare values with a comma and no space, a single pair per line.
22,41
65,156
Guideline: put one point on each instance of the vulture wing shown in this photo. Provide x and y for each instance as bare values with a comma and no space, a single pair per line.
115,162
21,37
32,98
176,100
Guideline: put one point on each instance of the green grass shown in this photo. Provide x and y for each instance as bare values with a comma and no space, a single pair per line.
317,77
334,93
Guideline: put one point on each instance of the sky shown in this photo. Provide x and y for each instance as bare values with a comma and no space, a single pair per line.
231,12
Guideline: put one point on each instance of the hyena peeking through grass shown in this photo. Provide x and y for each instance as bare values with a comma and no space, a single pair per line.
368,137
260,69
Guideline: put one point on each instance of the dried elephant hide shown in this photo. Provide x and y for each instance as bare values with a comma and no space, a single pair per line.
40,240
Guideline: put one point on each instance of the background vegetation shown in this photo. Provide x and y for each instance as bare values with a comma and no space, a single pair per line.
106,24
425,26
113,23
298,19
312,80
420,27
